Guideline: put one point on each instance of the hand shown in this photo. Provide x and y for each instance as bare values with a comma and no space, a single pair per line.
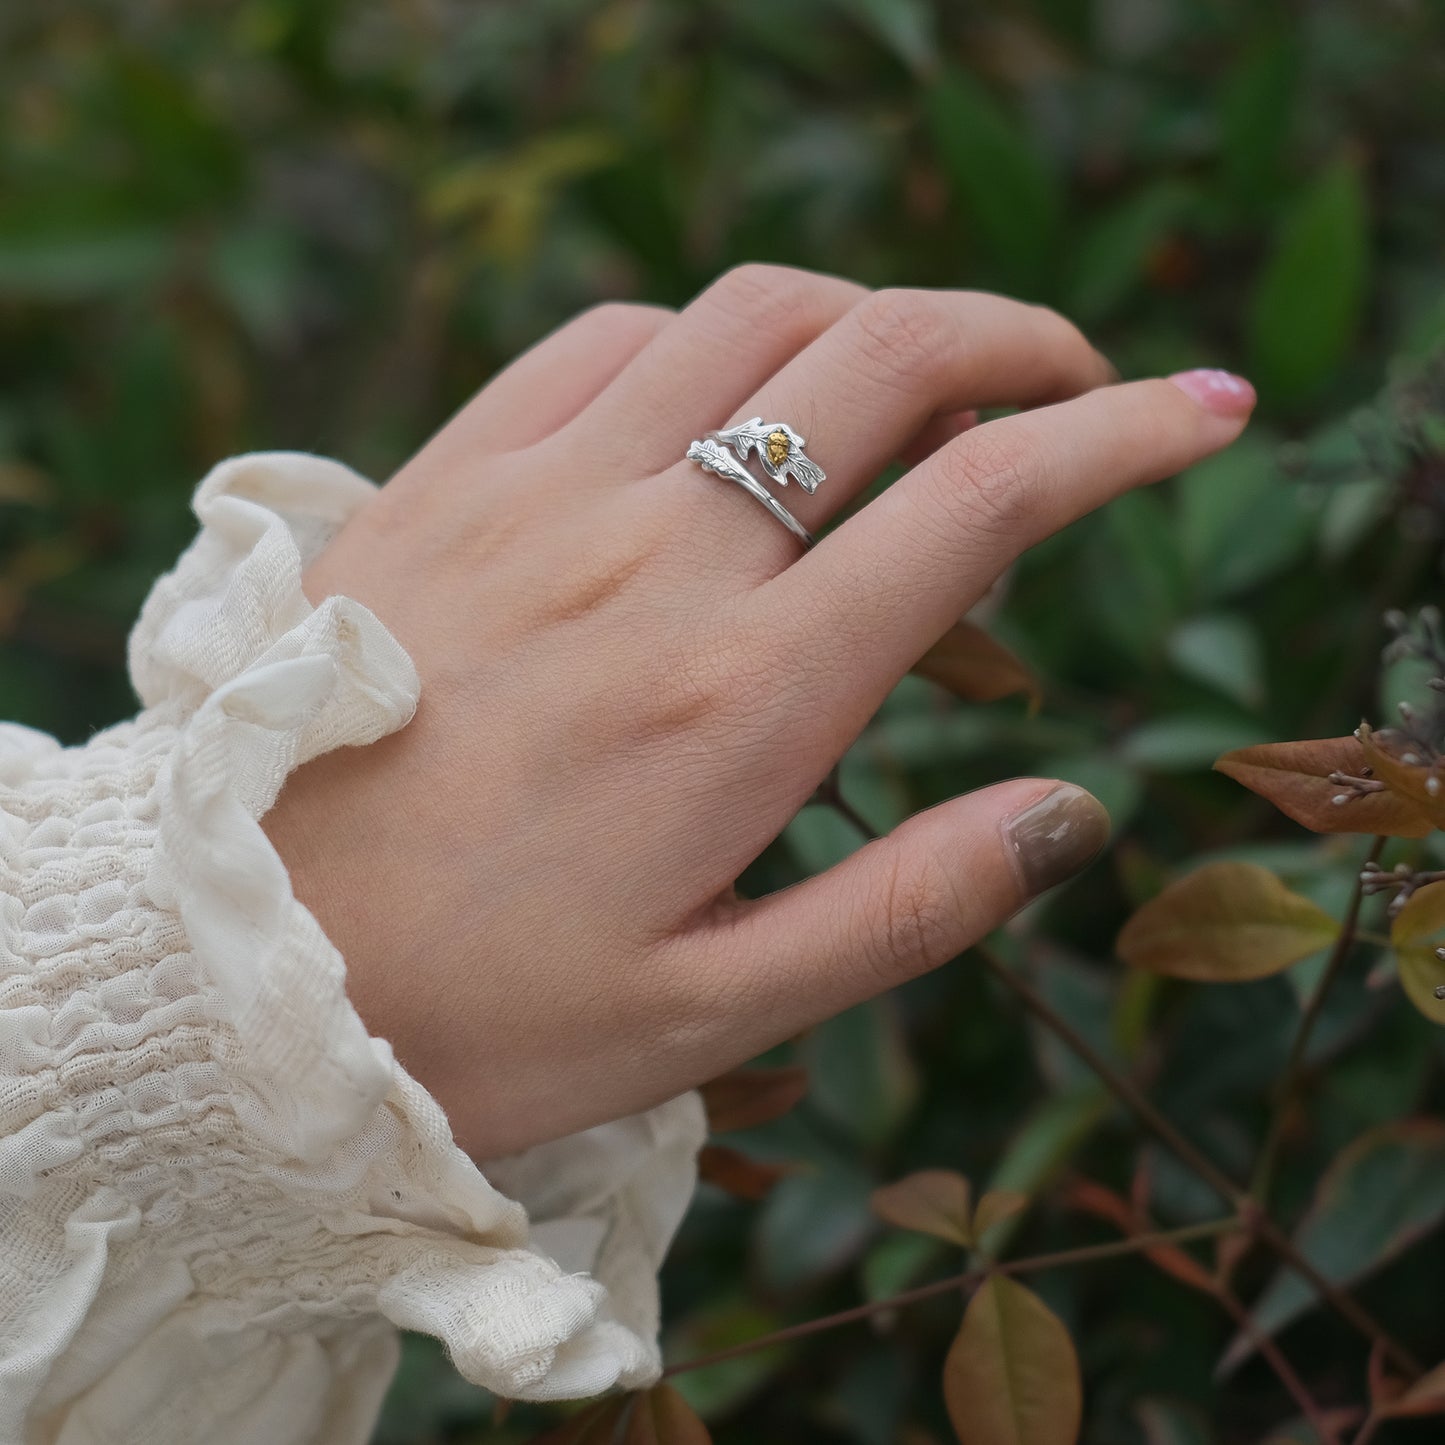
632,680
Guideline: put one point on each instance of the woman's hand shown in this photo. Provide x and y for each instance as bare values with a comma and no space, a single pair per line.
632,680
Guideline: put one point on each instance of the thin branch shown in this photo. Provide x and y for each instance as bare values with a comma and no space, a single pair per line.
1263,1227
1294,1065
1284,1371
830,792
1085,1254
1369,1428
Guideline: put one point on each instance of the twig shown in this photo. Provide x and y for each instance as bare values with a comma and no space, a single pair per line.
1282,1368
1369,1428
830,792
1085,1254
1289,1079
1261,1225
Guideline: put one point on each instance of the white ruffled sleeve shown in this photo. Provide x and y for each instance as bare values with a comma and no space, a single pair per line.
219,1196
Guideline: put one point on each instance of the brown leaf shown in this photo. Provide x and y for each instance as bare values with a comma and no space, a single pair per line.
1395,763
663,1417
976,667
1225,923
745,1098
739,1174
996,1206
1012,1374
933,1201
1421,973
596,1425
1295,777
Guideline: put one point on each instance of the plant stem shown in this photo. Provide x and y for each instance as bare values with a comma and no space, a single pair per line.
1261,1225
1294,1065
1282,1368
1085,1254
830,792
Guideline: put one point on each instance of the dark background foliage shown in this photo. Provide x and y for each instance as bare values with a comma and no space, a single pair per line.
323,223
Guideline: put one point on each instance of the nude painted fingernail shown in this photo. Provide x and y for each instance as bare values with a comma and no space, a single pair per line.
1056,837
1221,392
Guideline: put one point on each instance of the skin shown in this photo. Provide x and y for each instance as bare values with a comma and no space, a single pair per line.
632,680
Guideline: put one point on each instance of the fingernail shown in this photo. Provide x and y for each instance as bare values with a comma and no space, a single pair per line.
1056,837
1221,392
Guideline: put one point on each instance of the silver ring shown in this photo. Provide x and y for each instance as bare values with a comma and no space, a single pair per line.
779,449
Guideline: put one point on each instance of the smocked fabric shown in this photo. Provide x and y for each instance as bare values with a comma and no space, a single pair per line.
219,1195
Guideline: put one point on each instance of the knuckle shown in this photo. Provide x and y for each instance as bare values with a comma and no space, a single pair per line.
720,679
992,485
625,315
904,333
789,302
920,909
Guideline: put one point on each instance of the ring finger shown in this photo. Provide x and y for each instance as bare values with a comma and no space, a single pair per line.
879,376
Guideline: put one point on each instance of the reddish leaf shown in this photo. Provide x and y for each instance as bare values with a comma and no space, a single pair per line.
976,667
1421,972
1103,1203
1425,1397
596,1425
663,1417
1394,762
745,1098
1384,1387
1225,923
1012,1374
738,1174
933,1201
1295,777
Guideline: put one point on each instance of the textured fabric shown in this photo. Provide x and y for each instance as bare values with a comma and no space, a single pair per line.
218,1195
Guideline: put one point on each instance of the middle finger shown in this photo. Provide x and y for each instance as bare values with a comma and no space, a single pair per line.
869,384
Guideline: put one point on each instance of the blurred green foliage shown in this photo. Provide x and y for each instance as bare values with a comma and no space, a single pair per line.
323,223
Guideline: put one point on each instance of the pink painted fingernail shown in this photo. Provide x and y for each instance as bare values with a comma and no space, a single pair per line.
1218,391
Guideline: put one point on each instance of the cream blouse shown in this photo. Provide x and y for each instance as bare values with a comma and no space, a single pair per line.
219,1196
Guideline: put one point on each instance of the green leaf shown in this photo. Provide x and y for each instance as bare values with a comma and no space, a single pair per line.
1385,1191
906,26
812,1225
1223,651
1225,923
862,1078
1310,297
1181,744
1256,108
1240,521
1012,1374
1113,255
932,1201
1009,195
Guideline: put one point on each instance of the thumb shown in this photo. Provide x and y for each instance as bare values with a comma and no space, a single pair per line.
905,903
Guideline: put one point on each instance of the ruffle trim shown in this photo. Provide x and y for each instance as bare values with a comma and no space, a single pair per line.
264,682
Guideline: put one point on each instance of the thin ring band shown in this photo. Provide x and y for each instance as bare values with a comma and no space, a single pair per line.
716,458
